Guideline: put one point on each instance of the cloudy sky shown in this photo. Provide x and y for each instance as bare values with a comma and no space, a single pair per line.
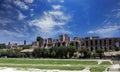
25,19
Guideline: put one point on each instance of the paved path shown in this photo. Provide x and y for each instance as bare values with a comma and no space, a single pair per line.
87,69
5,69
114,68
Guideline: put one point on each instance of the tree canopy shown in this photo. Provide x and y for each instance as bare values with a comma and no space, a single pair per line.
100,52
54,52
85,52
39,38
2,46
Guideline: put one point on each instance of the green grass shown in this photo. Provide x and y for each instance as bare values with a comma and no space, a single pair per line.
99,68
59,64
46,61
105,63
46,67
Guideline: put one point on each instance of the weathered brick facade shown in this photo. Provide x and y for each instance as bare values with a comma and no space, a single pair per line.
93,43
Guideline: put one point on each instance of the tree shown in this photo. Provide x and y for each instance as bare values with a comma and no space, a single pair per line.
117,48
94,54
37,52
71,50
41,53
53,54
14,52
2,46
39,39
26,47
100,52
85,52
45,53
55,49
62,52
3,53
28,54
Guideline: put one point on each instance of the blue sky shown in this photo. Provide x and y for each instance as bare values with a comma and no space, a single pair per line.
25,19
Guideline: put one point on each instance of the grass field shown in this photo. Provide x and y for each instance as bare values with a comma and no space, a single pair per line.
60,64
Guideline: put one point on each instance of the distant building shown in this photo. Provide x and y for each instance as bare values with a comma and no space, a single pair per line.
92,42
24,42
15,45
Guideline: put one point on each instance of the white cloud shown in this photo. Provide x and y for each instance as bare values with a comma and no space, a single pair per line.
29,1
55,13
51,0
9,33
61,1
107,31
47,24
63,31
117,13
4,21
111,25
113,18
13,37
31,10
8,6
31,14
21,16
56,7
21,4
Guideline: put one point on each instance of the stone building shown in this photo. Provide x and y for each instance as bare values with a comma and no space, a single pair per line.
92,42
35,44
107,44
63,40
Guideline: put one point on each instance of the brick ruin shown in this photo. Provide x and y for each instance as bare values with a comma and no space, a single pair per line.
92,42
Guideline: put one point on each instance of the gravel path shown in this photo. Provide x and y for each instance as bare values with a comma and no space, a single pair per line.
114,68
38,70
100,61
